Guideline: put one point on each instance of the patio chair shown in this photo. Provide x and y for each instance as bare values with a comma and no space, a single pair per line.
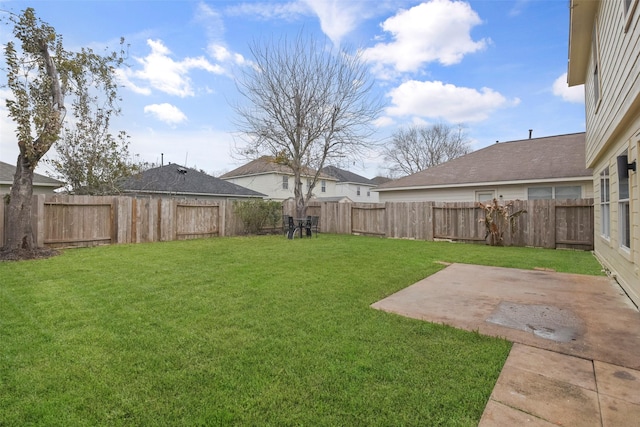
312,225
288,226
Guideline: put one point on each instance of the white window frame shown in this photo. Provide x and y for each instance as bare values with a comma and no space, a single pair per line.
605,204
358,190
323,186
285,182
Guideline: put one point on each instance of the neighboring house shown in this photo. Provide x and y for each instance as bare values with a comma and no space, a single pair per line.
604,55
41,184
276,180
178,181
539,168
355,187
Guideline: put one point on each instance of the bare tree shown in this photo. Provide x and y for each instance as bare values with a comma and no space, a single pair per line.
420,147
307,106
39,75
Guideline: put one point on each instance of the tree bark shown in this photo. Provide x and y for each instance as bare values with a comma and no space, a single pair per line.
20,232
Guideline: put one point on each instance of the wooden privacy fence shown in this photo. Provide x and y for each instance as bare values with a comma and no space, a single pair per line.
74,221
547,223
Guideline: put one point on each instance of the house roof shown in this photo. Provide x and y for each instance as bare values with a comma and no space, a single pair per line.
7,172
554,157
380,180
173,178
345,176
264,165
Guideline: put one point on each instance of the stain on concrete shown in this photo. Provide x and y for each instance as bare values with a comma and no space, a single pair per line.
545,321
624,375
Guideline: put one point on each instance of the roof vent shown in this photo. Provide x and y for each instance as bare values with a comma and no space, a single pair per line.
530,132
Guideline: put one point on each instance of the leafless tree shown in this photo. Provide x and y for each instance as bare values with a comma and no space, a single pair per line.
307,105
420,147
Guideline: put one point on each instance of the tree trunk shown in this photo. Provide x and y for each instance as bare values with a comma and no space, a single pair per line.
19,230
299,198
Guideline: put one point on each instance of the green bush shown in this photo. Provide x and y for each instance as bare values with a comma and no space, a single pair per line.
257,214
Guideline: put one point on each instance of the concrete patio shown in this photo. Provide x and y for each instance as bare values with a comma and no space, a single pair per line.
576,354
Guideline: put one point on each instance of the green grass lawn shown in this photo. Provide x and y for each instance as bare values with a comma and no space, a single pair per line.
244,331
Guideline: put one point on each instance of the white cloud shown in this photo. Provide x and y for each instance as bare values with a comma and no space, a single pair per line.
211,20
164,74
437,100
166,113
221,54
438,30
338,18
573,94
289,11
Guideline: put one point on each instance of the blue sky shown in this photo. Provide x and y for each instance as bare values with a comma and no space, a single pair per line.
499,67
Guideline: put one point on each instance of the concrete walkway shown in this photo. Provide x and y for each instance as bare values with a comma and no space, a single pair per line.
576,357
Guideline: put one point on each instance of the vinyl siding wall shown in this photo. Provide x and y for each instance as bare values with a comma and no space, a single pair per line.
468,194
613,127
271,185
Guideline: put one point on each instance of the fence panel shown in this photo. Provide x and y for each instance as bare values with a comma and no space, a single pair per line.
409,220
458,221
574,224
368,219
77,221
196,220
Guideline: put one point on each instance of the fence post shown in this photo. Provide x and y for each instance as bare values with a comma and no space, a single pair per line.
37,220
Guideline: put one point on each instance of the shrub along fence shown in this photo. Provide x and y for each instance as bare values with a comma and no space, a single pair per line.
72,221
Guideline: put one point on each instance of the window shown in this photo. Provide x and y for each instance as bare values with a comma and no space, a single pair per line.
539,193
323,186
308,184
623,212
358,190
285,182
368,193
595,52
604,203
560,192
568,192
484,196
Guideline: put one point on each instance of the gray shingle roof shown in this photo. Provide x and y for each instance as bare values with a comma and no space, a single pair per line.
173,178
345,176
263,165
553,157
7,172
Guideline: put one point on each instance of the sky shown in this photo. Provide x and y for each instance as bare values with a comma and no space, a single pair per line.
496,66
